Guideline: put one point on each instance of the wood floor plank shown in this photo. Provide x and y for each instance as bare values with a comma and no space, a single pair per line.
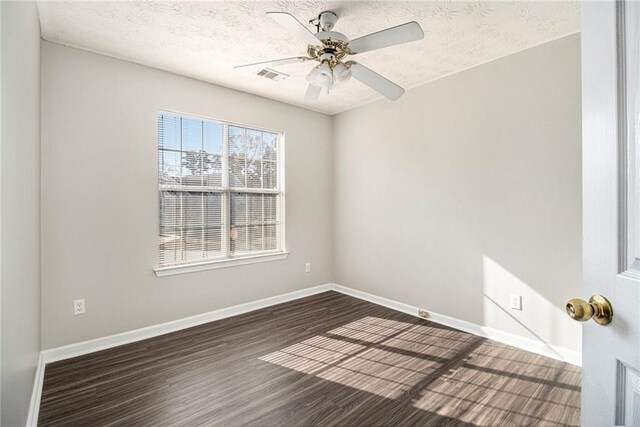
328,360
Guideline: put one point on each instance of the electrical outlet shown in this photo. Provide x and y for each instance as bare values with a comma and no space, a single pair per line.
307,267
515,302
78,307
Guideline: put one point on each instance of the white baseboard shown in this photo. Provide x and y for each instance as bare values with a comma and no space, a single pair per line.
86,347
36,394
528,344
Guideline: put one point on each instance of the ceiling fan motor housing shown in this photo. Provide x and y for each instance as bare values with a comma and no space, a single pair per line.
327,20
332,35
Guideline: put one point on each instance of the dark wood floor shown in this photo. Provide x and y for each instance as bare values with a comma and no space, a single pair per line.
328,359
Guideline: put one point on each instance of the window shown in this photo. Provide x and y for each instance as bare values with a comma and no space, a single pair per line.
221,193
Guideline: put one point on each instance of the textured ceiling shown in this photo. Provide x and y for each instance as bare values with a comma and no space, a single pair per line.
205,40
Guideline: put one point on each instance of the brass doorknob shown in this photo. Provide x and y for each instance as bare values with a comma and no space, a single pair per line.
598,308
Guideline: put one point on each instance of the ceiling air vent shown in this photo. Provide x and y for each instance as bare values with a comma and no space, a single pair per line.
273,74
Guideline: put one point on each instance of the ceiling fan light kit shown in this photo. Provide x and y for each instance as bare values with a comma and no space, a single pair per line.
321,75
341,72
329,48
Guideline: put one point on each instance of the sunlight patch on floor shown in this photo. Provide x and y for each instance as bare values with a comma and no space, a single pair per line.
499,390
355,355
448,372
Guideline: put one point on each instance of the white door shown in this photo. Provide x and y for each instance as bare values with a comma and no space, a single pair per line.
611,209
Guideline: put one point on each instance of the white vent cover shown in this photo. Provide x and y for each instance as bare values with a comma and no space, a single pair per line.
273,74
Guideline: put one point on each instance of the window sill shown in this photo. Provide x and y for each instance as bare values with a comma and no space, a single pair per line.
223,263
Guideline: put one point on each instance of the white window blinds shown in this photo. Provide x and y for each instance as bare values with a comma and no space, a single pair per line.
220,191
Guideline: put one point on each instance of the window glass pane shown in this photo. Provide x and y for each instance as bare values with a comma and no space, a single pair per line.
237,178
213,209
191,134
253,172
237,156
169,132
270,208
193,245
254,222
170,167
253,145
239,209
212,170
270,237
192,168
212,137
248,239
269,149
190,226
212,162
237,141
253,169
170,239
269,174
253,161
193,210
213,224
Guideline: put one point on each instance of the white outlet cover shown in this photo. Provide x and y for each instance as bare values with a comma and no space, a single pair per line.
78,307
515,302
307,267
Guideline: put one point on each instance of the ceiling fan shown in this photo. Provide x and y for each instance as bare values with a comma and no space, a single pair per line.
330,49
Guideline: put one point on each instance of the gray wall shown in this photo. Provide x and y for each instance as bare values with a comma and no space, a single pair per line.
20,201
100,197
468,189
464,191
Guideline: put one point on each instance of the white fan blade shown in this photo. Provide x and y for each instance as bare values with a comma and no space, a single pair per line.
294,26
376,82
313,93
283,61
391,36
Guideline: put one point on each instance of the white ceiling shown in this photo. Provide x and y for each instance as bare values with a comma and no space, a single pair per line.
205,40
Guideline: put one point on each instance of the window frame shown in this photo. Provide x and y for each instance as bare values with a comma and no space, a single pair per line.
228,259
